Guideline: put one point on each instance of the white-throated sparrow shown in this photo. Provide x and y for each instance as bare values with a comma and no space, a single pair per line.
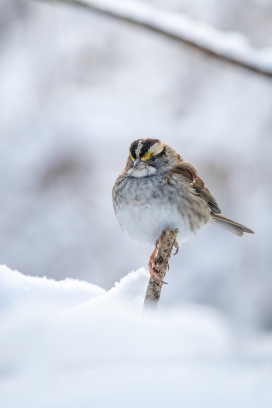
158,190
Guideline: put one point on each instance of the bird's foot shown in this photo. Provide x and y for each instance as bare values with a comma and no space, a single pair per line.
151,265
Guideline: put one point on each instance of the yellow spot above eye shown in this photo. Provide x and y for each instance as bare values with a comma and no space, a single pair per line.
147,155
132,158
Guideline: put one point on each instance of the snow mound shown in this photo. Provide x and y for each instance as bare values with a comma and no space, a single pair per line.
70,344
16,288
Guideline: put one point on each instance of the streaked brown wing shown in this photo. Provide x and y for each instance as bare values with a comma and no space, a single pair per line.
188,172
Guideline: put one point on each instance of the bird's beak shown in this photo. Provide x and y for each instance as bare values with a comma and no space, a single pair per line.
137,162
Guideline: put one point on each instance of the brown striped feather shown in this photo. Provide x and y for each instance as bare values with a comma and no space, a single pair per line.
188,172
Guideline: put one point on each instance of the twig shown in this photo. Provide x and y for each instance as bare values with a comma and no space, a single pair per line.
231,47
153,292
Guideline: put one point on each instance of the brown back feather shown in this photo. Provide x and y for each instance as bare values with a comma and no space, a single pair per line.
190,174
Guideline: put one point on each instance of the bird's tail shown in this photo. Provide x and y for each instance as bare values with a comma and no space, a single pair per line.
229,225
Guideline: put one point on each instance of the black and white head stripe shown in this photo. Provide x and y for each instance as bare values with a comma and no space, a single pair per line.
139,148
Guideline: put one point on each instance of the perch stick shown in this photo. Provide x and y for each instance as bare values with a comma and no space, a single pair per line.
153,292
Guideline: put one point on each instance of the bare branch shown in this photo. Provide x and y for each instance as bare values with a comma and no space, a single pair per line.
231,47
153,292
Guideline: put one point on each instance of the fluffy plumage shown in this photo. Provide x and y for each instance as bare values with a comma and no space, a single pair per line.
158,189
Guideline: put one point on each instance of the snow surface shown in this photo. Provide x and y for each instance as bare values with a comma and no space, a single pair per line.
72,344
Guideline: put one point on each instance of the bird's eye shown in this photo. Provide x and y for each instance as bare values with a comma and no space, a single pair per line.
153,158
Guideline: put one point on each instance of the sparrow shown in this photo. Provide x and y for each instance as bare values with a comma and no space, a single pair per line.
158,190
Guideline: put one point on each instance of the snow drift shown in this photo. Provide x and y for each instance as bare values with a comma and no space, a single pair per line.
71,344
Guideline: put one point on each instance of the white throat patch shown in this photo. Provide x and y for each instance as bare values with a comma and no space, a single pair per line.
144,171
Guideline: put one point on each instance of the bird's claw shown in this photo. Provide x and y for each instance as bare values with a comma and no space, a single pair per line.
152,272
176,245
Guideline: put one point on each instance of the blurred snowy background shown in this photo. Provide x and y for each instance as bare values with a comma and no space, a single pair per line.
76,88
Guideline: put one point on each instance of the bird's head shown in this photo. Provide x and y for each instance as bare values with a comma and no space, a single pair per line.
145,157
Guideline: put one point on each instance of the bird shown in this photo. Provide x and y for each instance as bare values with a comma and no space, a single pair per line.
158,190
